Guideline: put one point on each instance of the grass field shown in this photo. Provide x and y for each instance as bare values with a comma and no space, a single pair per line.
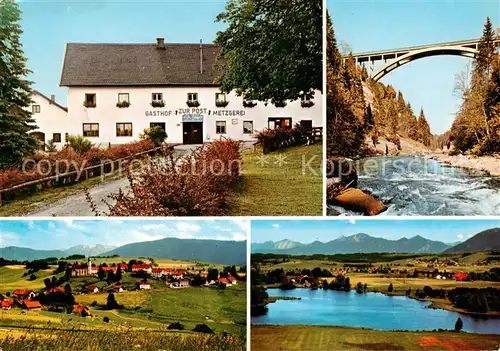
224,310
115,340
271,190
312,338
11,278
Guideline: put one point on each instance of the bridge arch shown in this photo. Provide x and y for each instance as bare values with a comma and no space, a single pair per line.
422,53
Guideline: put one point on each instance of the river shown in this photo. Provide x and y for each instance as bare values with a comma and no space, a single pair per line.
415,185
369,310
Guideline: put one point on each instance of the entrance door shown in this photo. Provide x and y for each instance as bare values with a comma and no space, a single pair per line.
193,132
282,122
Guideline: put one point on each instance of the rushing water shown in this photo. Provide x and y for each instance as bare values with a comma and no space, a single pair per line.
369,310
415,185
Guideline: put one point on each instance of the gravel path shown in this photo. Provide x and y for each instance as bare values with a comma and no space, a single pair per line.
77,205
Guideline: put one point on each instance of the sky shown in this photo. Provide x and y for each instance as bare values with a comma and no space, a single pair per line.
307,231
65,233
49,25
369,25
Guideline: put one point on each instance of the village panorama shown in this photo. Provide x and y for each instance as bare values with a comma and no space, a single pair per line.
163,288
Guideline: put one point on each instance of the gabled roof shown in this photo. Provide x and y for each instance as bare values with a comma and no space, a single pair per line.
50,101
32,304
224,280
138,64
22,292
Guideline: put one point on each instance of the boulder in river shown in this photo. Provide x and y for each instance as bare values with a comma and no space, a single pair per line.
359,201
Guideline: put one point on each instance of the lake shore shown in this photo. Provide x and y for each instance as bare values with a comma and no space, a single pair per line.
312,338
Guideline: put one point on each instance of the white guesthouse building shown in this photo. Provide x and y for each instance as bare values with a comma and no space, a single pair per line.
115,91
51,119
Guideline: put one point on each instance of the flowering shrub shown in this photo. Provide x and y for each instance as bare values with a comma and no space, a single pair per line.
195,103
196,185
159,103
123,104
45,165
278,138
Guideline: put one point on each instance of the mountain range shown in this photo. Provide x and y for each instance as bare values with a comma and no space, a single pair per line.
210,251
486,240
351,244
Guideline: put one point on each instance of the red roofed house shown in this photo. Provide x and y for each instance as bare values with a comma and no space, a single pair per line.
232,279
22,294
6,304
158,272
142,267
31,305
460,276
177,274
143,285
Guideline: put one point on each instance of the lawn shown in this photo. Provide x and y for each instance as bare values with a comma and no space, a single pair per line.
277,183
305,338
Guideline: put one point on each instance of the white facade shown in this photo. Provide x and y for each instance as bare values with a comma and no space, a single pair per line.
50,118
177,117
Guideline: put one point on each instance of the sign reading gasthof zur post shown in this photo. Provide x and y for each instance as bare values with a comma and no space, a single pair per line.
195,111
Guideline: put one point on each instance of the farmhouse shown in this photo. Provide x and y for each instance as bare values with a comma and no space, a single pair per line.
460,276
142,267
224,282
115,91
232,280
50,118
31,305
182,283
143,285
22,294
6,304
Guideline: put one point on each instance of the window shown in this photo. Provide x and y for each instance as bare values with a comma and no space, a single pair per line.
123,97
123,129
35,108
192,97
247,127
157,97
90,100
281,122
91,129
220,127
56,137
220,97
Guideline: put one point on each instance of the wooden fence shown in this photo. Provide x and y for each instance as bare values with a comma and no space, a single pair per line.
72,177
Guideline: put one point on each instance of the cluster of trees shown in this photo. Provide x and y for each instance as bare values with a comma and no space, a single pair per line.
476,300
16,121
340,283
58,299
346,122
392,117
350,119
476,127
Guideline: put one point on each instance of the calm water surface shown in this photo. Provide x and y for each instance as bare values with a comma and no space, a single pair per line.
370,310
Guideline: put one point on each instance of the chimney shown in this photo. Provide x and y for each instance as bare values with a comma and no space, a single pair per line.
201,56
52,99
160,43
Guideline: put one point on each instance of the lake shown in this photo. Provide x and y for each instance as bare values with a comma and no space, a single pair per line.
369,310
